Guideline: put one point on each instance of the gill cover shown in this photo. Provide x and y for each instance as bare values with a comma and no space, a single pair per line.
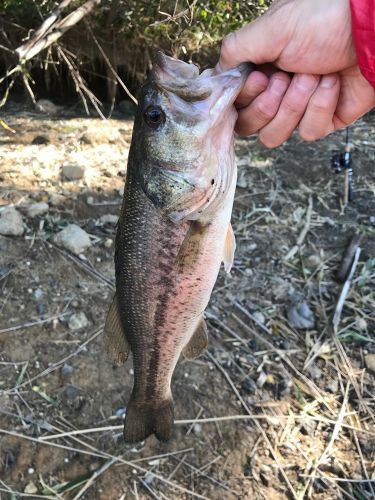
184,127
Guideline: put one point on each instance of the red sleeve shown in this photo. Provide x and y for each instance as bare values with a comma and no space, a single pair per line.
363,25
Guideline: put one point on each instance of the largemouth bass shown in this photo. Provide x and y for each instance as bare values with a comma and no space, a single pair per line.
173,232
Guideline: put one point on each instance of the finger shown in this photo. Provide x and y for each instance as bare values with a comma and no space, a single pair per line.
252,43
317,121
264,107
255,84
357,97
291,110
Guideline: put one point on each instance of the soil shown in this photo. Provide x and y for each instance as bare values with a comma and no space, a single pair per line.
302,400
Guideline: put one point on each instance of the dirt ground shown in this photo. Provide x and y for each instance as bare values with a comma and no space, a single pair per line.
271,411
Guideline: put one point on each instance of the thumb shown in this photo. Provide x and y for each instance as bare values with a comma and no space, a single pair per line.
259,42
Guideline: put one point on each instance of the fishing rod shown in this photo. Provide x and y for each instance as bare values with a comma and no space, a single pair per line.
342,161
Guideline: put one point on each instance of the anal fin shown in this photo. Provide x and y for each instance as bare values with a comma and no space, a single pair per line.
198,342
116,344
229,249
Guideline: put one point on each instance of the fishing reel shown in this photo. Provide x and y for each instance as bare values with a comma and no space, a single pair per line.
341,161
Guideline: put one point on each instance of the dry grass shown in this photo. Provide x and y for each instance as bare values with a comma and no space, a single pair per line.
273,412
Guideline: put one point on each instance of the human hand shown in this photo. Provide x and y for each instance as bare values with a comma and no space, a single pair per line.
314,41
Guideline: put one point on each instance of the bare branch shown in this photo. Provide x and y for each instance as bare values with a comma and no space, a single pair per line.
43,39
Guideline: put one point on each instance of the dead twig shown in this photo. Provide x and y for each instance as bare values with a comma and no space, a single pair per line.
303,233
344,292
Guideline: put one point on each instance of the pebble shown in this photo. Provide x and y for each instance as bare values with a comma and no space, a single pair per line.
108,243
197,428
78,321
248,386
301,316
11,223
30,488
71,392
312,261
370,362
259,317
67,370
36,209
333,385
109,219
120,413
38,294
48,107
241,180
73,172
73,238
56,199
40,140
361,323
121,191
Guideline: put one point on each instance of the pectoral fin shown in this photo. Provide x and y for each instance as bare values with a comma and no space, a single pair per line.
198,342
116,344
229,249
191,246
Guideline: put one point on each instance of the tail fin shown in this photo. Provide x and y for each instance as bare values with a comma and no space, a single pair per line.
143,419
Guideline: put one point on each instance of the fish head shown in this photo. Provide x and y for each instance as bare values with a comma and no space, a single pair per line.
183,134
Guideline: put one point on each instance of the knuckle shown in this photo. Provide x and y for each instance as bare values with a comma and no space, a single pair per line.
320,104
228,46
293,107
263,110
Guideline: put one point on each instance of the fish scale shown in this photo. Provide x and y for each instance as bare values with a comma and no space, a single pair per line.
173,232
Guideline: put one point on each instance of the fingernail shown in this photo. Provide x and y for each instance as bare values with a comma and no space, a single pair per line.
304,82
328,81
278,86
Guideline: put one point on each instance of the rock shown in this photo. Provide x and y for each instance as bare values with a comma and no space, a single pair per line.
108,243
312,261
301,316
332,385
11,223
37,209
370,362
30,488
259,317
38,294
5,270
361,324
100,136
248,386
40,140
71,392
67,370
56,199
48,107
197,428
73,238
72,172
241,180
78,321
109,219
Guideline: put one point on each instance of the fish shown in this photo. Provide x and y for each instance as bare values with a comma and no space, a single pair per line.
173,231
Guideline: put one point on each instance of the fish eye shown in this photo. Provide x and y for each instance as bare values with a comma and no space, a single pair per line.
154,116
